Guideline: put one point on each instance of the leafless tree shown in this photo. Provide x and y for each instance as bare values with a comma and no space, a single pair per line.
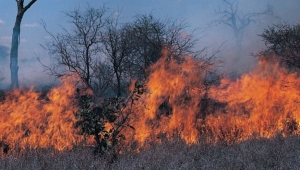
79,50
106,54
117,48
237,21
14,68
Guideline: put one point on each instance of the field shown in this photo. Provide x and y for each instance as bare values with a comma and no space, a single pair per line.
274,153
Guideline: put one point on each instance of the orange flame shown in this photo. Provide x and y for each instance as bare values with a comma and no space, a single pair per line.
262,103
259,104
172,106
27,118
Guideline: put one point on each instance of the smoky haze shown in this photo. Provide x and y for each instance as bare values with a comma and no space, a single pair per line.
199,14
4,60
3,54
222,35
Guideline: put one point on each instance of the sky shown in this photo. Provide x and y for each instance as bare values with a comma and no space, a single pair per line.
197,13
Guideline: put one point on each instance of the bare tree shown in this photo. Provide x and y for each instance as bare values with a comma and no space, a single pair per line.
101,50
237,21
79,50
16,41
117,47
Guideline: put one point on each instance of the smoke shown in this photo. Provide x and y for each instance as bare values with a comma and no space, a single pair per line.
3,54
220,34
31,72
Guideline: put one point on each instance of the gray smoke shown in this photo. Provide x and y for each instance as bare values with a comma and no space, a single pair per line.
4,53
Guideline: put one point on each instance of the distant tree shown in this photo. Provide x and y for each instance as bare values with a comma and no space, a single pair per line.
284,41
79,50
16,41
238,22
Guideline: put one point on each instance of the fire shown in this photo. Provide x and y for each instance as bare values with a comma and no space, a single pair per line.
173,105
262,103
30,119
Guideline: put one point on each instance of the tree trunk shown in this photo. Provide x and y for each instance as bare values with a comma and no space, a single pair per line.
239,47
238,34
14,53
14,68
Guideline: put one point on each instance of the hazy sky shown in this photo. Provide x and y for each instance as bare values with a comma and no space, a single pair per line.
198,13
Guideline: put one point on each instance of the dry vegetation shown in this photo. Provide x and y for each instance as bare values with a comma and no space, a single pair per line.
275,153
189,93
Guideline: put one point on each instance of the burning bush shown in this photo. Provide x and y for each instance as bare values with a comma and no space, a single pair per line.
106,121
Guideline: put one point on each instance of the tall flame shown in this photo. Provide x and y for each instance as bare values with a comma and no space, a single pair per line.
173,105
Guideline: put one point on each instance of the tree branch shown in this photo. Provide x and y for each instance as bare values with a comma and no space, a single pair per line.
28,5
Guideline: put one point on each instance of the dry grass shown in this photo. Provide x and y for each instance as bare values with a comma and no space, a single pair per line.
276,153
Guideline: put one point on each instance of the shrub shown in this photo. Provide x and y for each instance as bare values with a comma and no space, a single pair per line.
107,120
